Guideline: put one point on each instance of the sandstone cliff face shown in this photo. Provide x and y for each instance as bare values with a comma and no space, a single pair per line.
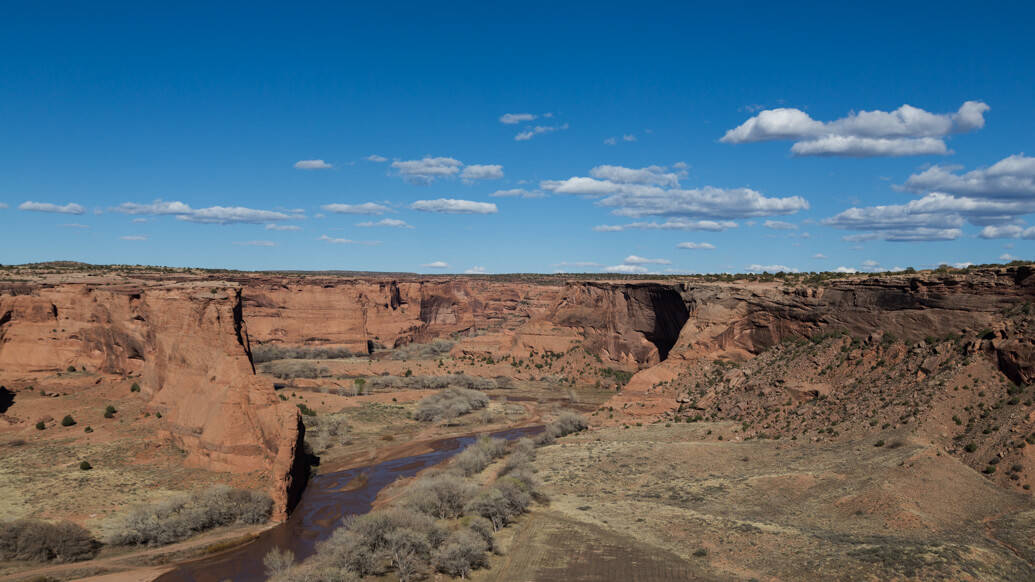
189,344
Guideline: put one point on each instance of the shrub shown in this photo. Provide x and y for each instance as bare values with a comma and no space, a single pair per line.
443,495
182,516
135,387
475,458
67,420
463,551
437,348
449,404
85,465
277,561
263,353
41,425
290,370
70,369
400,537
40,541
567,423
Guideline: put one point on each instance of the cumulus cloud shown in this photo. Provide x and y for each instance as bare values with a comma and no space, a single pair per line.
436,265
626,269
844,269
389,222
364,208
135,237
284,227
1012,178
654,191
312,165
771,269
779,225
454,206
671,224
475,270
482,172
346,241
514,118
905,131
636,260
375,158
210,215
70,208
518,193
695,246
539,130
1008,231
255,243
427,170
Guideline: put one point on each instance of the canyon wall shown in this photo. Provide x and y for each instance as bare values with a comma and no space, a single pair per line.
189,347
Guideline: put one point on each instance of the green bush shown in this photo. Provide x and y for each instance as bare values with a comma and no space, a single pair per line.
135,387
67,420
41,425
85,465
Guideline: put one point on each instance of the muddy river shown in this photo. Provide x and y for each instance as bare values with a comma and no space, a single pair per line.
327,501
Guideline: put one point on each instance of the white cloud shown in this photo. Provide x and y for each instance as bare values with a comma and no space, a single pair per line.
436,265
232,214
210,215
628,137
655,175
454,206
638,193
475,270
517,192
375,158
905,131
636,260
578,264
771,269
390,222
611,141
538,130
819,256
139,220
345,241
1007,257
671,224
1012,178
70,208
3,205
364,208
1008,231
963,265
427,170
136,237
779,225
74,225
695,246
626,269
284,227
843,269
513,118
255,243
312,165
482,172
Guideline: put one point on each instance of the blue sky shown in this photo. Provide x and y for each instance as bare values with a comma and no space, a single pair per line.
812,137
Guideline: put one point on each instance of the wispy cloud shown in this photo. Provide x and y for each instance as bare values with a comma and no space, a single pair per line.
133,237
637,260
427,170
539,130
454,206
481,172
375,158
436,265
75,225
517,193
255,243
345,241
364,208
695,246
626,269
210,215
389,222
514,118
771,269
70,208
283,227
312,165
475,270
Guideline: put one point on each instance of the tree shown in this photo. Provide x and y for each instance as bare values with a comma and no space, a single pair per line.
277,561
